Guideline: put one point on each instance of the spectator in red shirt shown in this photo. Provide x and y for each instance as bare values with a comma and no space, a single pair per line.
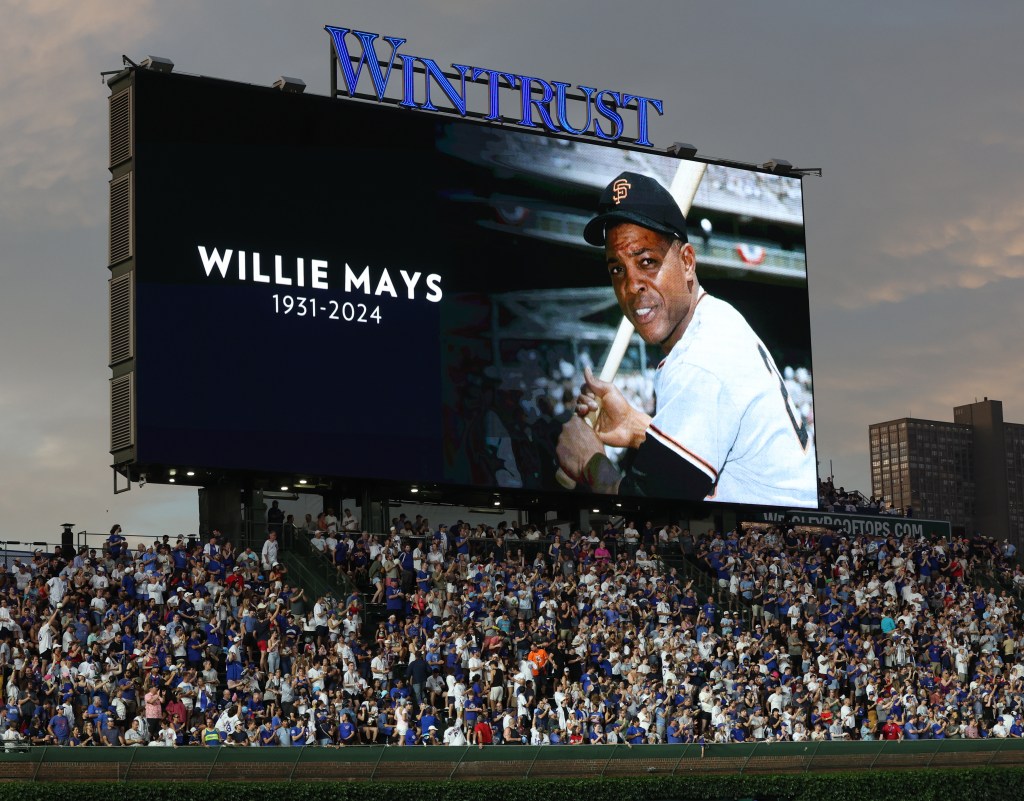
482,730
236,580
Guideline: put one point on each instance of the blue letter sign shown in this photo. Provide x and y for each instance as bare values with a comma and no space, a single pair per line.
541,103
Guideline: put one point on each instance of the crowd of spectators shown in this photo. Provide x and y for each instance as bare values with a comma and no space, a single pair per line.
838,499
475,635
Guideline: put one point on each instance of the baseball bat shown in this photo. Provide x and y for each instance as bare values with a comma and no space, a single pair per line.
683,189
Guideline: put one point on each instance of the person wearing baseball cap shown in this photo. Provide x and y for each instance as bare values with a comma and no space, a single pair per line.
725,428
634,198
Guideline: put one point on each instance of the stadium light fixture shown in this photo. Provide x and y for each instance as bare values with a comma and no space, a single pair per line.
683,150
778,166
283,495
783,167
157,64
294,85
414,489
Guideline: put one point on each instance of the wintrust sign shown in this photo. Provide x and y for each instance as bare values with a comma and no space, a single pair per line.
537,103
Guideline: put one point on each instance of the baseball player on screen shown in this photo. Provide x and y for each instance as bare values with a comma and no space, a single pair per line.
725,428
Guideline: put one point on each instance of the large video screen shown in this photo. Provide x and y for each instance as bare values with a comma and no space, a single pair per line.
336,288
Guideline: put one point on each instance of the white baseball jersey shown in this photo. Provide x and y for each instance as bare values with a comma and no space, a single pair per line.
723,407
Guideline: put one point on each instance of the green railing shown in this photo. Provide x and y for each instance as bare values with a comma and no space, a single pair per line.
312,571
440,763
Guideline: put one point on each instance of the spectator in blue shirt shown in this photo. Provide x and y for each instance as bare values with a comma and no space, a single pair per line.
912,728
635,733
267,737
710,611
298,732
346,731
115,543
60,728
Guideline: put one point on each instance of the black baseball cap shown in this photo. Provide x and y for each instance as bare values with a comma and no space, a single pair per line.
638,199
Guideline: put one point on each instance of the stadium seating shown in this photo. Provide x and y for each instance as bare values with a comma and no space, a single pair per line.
450,634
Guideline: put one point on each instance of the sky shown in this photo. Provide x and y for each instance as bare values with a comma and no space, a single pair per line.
915,233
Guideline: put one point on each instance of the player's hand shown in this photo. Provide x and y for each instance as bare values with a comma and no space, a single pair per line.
617,423
577,444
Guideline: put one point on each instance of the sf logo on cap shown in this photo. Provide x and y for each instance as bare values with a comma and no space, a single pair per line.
620,189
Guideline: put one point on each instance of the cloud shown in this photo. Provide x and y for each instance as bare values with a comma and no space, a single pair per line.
52,124
970,252
56,471
921,191
917,358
